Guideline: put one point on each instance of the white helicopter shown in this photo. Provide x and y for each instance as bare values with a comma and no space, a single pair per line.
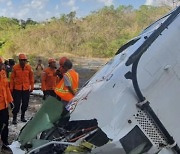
130,106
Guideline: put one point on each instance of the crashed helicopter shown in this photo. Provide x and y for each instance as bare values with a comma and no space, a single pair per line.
130,106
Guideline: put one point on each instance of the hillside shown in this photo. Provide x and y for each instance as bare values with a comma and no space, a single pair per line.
99,34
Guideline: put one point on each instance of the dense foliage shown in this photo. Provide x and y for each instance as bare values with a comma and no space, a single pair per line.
99,34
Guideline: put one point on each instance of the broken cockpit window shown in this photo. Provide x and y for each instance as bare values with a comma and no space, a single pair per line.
50,132
70,136
135,142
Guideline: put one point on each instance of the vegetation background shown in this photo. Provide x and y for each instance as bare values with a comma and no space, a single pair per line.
100,34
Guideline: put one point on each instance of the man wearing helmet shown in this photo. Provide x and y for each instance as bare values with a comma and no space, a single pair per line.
68,85
21,84
49,79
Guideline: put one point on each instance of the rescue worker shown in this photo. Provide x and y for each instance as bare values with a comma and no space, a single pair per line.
39,68
61,70
68,85
5,100
11,64
49,79
7,67
21,84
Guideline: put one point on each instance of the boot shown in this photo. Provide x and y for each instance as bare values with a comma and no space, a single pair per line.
14,122
22,117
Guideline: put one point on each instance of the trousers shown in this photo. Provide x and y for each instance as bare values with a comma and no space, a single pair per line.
21,99
4,118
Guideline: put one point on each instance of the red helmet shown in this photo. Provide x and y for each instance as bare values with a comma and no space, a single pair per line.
51,60
22,56
62,60
1,60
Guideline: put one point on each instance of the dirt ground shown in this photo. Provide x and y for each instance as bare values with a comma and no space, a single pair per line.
85,67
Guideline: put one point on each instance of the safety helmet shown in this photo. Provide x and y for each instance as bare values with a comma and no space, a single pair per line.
51,60
22,56
62,60
1,60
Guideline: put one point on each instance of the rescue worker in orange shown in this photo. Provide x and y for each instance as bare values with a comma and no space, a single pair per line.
21,84
5,100
68,85
49,79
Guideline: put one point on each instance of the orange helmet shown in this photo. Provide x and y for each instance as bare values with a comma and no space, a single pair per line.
51,60
22,56
1,60
62,60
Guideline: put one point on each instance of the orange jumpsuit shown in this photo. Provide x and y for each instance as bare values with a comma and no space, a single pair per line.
49,81
22,79
5,94
5,99
21,83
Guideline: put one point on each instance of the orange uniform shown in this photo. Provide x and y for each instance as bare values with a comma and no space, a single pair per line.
22,79
5,99
49,79
5,94
62,91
